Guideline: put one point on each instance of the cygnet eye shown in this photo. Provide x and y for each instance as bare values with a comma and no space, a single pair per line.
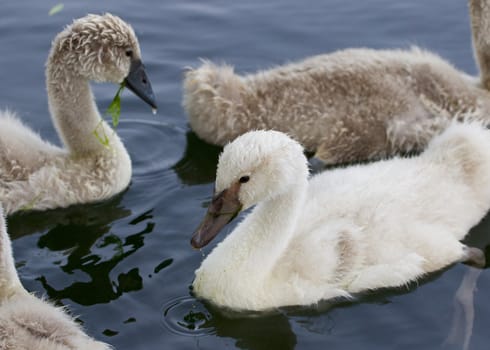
244,179
129,53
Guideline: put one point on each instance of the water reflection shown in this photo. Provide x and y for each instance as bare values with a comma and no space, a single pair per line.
199,162
266,332
96,217
90,249
464,311
187,316
463,304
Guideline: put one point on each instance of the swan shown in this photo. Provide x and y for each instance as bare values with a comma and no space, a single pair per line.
34,174
346,106
27,322
344,231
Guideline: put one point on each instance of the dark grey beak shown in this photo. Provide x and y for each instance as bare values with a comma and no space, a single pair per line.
137,81
224,207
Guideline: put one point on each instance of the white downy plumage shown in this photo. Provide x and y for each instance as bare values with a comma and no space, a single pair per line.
343,231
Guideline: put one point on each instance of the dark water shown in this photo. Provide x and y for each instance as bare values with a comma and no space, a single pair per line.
125,266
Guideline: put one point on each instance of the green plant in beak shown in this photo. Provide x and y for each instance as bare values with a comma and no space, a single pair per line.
114,109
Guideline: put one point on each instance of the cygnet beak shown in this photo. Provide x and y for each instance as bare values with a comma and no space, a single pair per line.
224,207
137,81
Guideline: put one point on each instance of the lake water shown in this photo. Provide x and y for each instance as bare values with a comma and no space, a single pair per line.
125,265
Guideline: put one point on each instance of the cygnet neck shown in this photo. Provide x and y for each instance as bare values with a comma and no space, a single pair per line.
268,230
73,110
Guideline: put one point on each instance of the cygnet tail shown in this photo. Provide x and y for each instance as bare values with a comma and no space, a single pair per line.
9,280
212,81
211,93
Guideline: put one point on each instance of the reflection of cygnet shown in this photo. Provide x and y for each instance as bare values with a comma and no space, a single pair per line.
94,164
464,310
27,322
343,231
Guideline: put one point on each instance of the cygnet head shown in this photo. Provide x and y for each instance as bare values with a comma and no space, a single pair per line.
101,48
256,167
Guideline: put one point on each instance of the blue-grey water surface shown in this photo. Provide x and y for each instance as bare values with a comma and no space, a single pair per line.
124,266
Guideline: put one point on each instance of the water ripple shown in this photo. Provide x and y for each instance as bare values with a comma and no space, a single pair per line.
186,316
154,146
